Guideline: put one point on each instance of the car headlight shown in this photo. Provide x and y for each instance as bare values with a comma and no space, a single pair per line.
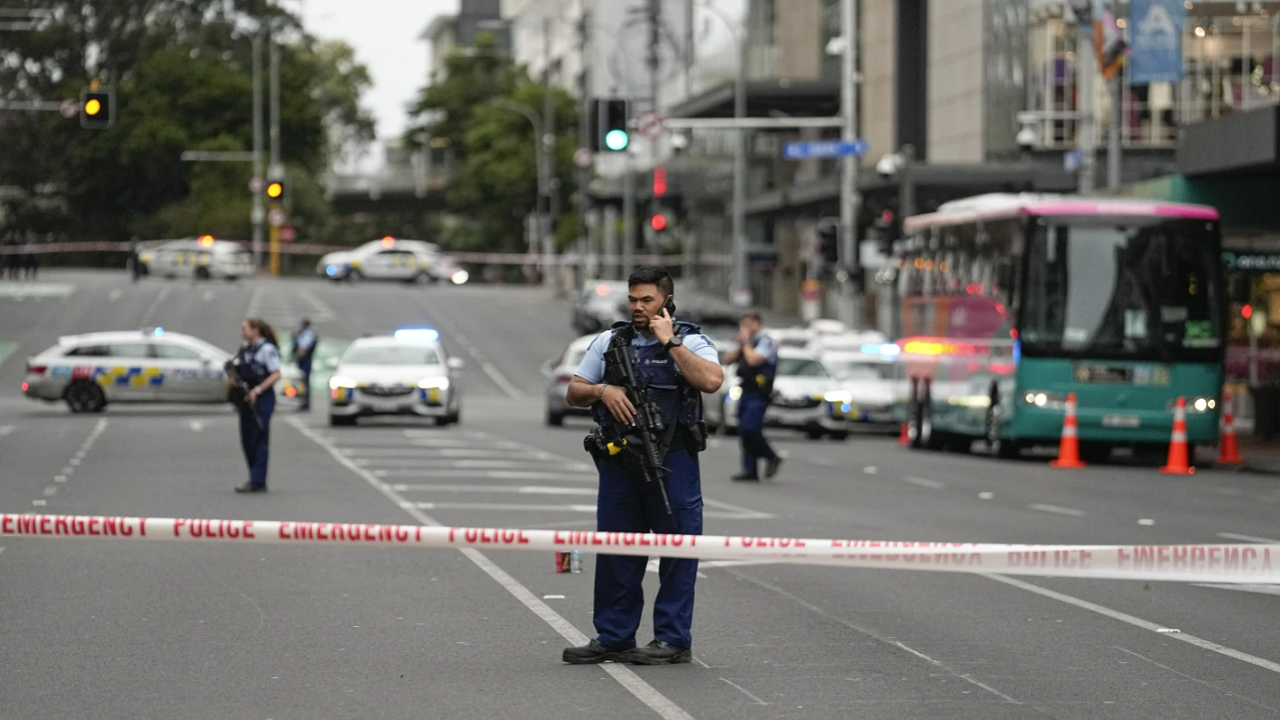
735,392
439,383
1197,404
1043,399
839,397
460,277
338,381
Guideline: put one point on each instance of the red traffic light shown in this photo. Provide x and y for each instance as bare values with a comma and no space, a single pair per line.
1246,312
659,181
658,222
886,217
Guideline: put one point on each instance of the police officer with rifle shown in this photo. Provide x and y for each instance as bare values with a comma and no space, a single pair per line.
644,381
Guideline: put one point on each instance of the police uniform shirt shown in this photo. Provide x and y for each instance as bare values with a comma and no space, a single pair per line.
592,367
765,345
306,339
266,354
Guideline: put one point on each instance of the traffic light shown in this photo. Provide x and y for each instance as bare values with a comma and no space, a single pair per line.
97,108
829,242
275,190
659,181
889,227
658,222
612,133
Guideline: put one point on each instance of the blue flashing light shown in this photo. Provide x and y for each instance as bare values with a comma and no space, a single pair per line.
331,270
418,334
158,331
845,407
885,349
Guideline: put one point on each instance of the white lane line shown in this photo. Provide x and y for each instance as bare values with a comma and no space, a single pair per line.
39,503
208,296
497,377
625,676
60,478
455,474
1260,589
870,470
737,510
1194,679
68,470
431,453
518,507
115,295
1138,622
963,676
196,426
1148,522
1056,510
509,489
924,482
822,462
255,302
1249,538
986,495
6,351
155,305
438,466
51,491
5,429
743,690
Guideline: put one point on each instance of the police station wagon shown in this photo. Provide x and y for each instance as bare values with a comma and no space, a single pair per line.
89,371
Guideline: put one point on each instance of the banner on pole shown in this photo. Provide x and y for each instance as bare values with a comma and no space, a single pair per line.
1155,28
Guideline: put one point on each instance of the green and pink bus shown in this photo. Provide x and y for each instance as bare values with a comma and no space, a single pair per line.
1009,303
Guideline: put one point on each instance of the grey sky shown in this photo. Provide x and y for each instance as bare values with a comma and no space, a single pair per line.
384,34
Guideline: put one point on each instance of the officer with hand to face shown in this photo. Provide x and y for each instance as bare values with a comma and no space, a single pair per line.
757,359
674,363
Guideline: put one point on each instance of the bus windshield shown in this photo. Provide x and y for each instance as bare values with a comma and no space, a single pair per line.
1122,288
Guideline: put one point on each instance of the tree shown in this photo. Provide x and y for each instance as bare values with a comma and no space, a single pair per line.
181,71
494,183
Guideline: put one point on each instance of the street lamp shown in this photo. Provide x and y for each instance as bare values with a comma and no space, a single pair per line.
740,292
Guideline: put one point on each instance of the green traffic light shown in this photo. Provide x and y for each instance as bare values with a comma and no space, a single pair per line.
617,140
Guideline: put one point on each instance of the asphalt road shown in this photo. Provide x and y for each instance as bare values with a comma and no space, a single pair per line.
109,629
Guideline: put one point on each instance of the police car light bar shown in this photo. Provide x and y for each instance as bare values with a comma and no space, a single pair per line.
886,349
419,334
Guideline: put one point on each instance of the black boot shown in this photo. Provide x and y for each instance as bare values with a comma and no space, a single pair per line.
593,653
249,487
771,466
745,477
660,653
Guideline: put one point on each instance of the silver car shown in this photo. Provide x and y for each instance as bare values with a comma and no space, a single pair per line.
90,371
560,373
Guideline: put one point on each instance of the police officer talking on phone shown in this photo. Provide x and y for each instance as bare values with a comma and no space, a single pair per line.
674,363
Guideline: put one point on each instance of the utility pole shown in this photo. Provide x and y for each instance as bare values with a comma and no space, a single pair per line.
548,141
1113,136
849,196
1085,70
275,171
259,212
584,141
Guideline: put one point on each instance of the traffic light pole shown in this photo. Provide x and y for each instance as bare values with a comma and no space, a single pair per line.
259,212
275,171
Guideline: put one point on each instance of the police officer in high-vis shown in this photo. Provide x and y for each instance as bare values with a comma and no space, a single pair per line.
757,359
675,363
259,367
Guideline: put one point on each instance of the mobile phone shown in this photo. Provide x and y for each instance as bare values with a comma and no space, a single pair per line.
670,306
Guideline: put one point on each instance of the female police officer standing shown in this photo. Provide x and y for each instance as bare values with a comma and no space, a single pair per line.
259,365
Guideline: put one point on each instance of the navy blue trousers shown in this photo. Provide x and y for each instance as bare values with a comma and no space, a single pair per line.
627,504
305,367
254,439
751,407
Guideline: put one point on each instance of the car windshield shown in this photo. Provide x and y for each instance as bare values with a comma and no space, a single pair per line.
801,367
860,370
393,355
1142,290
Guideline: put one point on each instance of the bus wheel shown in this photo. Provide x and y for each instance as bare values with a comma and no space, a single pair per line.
925,436
999,447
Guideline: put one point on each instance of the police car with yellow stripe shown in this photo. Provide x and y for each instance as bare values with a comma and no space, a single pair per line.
407,373
90,371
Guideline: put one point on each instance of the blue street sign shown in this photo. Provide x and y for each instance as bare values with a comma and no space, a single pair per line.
823,149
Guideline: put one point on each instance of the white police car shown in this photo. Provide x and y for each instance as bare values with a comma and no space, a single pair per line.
407,373
202,258
89,371
386,259
803,394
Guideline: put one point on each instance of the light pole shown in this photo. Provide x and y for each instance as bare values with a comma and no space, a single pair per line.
539,161
849,196
739,290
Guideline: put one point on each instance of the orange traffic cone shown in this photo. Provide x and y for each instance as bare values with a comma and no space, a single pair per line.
1069,447
1229,450
904,438
1179,463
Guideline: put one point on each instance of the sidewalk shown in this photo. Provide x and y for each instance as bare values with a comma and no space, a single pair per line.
1260,456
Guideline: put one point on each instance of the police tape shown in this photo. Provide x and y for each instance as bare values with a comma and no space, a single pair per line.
1182,563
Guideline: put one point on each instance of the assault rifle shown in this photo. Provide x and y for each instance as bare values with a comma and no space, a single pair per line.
647,423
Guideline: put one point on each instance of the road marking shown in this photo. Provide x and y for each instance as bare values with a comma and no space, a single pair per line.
60,478
1249,538
986,495
6,349
822,462
1195,679
924,482
39,503
68,470
155,305
870,470
517,507
1137,622
963,676
5,429
51,491
744,692
1146,521
552,597
497,377
115,295
440,467
1260,589
512,489
739,511
208,296
654,566
429,453
454,474
1072,512
196,426
643,691
255,302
